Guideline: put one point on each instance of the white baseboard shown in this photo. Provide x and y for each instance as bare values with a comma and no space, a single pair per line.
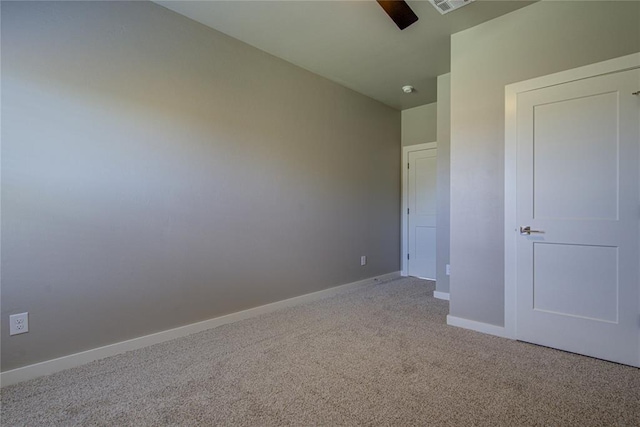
485,328
55,365
441,295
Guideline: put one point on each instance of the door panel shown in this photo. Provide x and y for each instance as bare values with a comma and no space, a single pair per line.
576,140
421,191
578,184
425,183
562,274
423,263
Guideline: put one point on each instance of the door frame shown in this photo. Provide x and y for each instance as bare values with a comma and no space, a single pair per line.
512,91
404,234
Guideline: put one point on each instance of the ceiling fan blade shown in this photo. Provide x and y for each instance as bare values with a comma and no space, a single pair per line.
399,11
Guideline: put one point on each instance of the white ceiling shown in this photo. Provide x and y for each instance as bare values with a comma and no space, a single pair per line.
353,43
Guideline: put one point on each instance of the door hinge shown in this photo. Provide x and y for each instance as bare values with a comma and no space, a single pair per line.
407,211
408,165
408,256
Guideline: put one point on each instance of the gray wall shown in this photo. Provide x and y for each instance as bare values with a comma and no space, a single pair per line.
544,38
444,184
157,173
419,124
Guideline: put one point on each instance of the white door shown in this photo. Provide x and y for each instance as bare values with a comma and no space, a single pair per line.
578,190
421,192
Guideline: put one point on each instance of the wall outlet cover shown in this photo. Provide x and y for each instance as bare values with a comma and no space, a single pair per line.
363,260
18,323
448,270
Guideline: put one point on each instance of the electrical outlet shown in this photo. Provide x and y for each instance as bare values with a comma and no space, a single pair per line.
18,323
448,270
363,260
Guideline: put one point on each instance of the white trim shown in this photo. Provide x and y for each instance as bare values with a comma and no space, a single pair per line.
54,365
510,215
441,295
485,328
404,232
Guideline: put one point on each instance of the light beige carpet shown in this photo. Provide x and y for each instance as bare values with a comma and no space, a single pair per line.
382,355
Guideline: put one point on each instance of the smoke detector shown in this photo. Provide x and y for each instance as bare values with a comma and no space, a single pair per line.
408,89
446,6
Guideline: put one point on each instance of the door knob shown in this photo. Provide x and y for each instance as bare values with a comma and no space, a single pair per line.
527,231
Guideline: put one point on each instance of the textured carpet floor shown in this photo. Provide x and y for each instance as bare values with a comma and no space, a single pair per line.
381,355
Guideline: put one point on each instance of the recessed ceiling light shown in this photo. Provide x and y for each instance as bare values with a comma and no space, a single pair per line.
408,89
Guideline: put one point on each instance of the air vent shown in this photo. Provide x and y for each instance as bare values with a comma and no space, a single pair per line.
446,6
